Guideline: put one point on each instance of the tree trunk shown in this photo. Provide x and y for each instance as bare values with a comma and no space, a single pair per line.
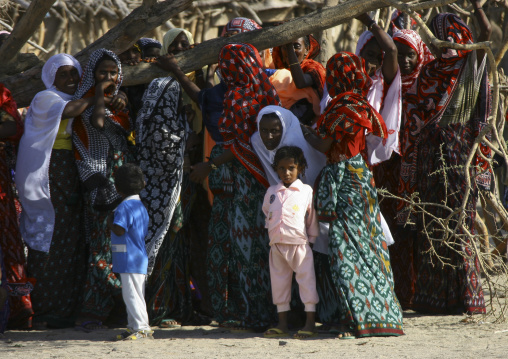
24,29
25,86
325,39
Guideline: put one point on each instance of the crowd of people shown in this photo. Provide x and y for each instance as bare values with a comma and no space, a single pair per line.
279,155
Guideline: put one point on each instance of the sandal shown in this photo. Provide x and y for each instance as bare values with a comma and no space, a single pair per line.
141,334
90,326
169,323
229,324
123,335
304,334
198,320
346,333
275,333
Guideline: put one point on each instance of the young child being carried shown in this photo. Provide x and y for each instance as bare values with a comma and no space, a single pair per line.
129,225
292,224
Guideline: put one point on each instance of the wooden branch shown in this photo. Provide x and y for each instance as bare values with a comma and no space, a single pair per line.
25,86
37,46
24,29
140,21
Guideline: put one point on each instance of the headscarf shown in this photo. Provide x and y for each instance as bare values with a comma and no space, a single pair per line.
397,21
249,90
387,100
292,135
171,35
240,24
412,39
32,171
53,64
349,114
8,104
93,145
146,43
308,65
437,80
363,40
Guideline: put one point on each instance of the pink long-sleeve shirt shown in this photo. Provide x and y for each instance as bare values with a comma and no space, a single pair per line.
290,215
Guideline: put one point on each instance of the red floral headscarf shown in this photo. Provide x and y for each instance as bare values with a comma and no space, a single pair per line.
308,65
249,90
349,114
413,40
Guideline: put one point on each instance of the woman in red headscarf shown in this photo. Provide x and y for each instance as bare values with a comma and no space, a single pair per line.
299,80
11,129
346,197
446,109
242,293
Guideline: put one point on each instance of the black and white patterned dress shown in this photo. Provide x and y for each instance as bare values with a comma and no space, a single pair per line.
161,136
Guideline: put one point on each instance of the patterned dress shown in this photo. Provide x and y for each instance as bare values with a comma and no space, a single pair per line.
168,288
249,90
98,154
60,273
161,135
10,237
387,176
446,109
359,258
346,197
222,279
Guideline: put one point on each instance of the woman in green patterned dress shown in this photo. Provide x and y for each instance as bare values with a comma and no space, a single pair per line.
346,197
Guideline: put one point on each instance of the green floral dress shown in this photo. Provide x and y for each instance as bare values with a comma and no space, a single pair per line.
359,259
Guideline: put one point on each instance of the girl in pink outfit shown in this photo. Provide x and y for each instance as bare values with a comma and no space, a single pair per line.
292,225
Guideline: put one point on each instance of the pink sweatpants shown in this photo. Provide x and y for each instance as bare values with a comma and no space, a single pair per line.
284,260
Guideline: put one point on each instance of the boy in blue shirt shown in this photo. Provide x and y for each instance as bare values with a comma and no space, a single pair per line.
129,225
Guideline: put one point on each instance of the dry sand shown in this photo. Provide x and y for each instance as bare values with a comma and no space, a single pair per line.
426,337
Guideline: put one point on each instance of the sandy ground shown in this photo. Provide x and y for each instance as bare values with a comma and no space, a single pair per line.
426,337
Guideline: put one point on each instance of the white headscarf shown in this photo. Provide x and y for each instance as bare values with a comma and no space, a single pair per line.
171,35
292,135
32,168
53,64
362,41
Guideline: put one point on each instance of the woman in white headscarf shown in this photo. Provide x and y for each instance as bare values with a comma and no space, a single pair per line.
278,127
289,133
48,186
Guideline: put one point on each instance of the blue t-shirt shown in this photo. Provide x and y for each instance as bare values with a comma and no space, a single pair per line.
129,252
